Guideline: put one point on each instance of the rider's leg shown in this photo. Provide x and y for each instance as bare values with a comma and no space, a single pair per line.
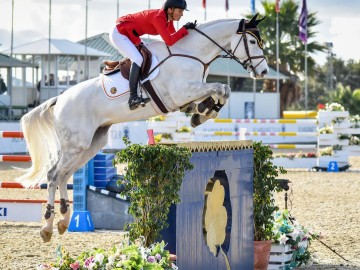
134,100
127,48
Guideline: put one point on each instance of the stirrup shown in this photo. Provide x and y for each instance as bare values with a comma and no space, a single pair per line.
135,103
144,101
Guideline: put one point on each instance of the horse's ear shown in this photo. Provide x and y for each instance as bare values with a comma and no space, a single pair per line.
253,19
260,20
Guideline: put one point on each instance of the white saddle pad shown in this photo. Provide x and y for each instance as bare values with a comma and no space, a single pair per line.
115,85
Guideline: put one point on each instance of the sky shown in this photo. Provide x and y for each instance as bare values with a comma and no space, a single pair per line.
339,19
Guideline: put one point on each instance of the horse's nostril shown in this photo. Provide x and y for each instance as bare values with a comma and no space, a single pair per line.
264,72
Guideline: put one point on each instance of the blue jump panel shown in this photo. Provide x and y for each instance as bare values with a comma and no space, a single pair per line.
185,235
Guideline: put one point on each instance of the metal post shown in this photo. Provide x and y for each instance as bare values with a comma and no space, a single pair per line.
11,60
86,57
277,61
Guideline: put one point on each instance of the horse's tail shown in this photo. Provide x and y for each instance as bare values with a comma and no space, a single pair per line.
42,143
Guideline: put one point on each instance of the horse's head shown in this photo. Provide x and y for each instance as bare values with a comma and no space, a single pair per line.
247,46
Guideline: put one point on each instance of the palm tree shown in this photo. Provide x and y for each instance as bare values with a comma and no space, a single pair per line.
291,49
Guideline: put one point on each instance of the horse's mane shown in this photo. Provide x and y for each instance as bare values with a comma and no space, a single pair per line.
201,26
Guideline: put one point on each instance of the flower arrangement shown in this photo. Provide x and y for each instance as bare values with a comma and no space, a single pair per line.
158,118
158,138
333,107
288,231
327,151
338,120
123,256
355,120
291,156
326,130
183,129
354,140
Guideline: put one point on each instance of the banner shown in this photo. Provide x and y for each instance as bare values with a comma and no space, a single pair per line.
303,23
277,6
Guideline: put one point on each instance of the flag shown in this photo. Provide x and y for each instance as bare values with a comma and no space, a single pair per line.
303,23
204,3
277,6
252,4
226,5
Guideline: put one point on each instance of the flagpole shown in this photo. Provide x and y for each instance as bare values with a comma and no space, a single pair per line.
277,58
306,86
10,81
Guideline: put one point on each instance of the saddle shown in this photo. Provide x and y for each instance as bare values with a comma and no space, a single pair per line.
112,67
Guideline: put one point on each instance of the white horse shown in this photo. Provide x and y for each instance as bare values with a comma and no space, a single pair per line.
64,132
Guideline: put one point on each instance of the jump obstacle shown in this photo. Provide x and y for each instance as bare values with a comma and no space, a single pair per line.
24,210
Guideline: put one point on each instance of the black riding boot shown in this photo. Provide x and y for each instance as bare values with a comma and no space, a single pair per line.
134,100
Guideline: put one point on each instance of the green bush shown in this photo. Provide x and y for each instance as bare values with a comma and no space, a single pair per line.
153,178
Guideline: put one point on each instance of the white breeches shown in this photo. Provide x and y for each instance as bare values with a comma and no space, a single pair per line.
125,46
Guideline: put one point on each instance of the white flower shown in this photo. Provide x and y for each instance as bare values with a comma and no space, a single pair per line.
282,239
111,259
294,234
99,258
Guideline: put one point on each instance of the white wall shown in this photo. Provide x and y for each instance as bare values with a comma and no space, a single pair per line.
266,105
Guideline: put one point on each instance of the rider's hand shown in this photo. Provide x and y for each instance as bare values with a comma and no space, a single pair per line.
190,25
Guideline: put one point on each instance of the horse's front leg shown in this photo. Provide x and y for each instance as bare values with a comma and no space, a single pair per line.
216,96
65,210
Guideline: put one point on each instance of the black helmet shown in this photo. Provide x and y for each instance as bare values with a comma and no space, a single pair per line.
175,3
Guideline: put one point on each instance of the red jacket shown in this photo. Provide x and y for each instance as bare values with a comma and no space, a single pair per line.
151,22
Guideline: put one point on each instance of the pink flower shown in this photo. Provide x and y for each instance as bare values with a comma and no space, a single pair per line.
75,266
88,261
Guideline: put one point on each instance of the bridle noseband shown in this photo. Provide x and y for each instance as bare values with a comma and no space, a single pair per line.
246,64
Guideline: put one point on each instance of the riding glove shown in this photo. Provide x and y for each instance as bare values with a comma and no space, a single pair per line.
190,25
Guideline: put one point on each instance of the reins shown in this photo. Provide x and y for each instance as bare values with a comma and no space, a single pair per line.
230,55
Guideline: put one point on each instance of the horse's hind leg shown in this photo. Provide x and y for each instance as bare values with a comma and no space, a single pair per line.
99,140
47,230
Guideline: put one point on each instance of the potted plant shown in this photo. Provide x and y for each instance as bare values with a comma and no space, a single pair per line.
291,236
264,185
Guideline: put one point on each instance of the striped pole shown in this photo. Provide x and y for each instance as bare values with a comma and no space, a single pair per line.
265,121
18,185
26,201
231,133
292,146
11,134
11,158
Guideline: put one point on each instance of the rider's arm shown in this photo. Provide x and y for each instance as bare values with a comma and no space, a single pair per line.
165,33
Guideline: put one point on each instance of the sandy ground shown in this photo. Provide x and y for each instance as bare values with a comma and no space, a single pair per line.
325,202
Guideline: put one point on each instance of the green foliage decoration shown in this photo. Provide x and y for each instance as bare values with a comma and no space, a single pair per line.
264,185
153,178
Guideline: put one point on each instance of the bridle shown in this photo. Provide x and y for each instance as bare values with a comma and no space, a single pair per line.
246,64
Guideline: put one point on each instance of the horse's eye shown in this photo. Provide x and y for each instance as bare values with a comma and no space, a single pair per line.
252,41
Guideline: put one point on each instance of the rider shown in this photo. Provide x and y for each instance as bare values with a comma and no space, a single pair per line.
126,35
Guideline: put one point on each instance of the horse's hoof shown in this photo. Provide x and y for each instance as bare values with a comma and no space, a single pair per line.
195,120
61,227
45,235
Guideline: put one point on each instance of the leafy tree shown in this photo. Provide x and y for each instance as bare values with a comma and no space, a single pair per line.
349,99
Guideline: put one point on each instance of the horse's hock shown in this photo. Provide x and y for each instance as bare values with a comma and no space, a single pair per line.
212,227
